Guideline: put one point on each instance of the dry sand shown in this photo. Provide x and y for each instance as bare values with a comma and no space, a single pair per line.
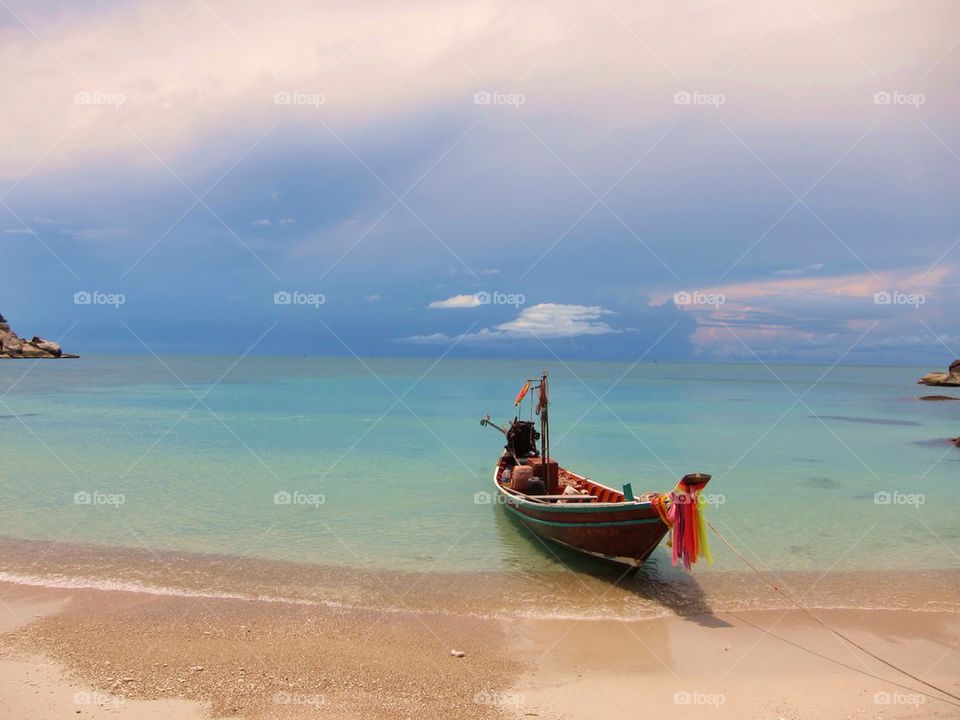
260,660
31,686
98,654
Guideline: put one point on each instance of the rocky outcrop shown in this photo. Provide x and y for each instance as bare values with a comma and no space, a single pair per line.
950,378
12,346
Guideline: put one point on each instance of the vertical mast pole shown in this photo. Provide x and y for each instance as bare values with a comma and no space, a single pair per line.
544,419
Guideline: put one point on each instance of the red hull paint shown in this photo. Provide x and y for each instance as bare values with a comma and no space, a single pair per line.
622,531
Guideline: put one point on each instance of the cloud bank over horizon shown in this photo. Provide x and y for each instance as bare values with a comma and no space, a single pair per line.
733,181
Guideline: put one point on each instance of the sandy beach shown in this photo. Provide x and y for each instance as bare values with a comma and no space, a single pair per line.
91,653
479,360
727,666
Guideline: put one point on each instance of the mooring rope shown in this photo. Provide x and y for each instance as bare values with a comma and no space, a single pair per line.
826,625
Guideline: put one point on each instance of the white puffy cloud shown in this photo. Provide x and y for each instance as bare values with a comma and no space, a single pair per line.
544,321
555,320
457,302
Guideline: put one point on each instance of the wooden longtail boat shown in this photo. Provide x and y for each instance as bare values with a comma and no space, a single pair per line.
583,515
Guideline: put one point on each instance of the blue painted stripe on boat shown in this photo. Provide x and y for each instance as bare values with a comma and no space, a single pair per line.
582,525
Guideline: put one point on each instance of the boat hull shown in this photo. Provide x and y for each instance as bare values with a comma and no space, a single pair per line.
624,532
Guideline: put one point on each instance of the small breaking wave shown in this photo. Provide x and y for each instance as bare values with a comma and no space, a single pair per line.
64,582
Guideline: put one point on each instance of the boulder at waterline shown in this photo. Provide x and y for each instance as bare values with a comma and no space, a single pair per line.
950,378
12,346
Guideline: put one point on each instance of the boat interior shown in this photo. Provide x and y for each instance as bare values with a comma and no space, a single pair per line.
556,480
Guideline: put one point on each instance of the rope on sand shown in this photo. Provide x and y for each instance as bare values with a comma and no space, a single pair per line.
833,630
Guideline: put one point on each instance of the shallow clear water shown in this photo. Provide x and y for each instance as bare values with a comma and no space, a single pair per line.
198,450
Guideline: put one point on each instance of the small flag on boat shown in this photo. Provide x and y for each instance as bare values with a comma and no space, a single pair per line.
522,394
542,400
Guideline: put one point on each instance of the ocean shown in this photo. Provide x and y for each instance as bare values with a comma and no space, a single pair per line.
366,481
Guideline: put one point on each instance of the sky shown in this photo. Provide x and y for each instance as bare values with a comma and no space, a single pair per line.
720,181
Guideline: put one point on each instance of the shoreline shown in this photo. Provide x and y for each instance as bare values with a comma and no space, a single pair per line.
190,658
587,592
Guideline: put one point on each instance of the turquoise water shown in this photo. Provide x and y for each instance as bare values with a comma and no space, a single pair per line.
198,448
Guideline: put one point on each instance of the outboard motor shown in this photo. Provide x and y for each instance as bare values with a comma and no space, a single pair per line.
522,438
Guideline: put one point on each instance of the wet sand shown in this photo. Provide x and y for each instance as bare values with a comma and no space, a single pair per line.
727,667
124,654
